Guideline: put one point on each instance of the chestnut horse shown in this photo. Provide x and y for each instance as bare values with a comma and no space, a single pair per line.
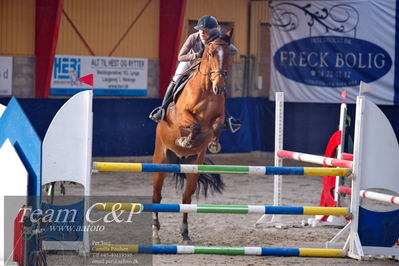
194,122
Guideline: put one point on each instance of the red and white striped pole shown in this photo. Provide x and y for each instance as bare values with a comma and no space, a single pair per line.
303,157
371,195
347,156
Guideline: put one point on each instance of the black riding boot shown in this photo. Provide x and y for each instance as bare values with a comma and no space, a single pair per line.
231,122
158,113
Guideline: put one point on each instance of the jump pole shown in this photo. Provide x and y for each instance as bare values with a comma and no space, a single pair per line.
304,157
371,195
219,250
209,208
347,156
217,169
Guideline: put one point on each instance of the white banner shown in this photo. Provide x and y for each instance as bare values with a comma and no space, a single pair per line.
112,75
5,75
320,48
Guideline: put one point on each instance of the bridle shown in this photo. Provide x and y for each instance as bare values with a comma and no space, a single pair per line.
220,72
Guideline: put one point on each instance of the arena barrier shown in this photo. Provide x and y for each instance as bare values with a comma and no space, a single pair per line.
219,169
252,251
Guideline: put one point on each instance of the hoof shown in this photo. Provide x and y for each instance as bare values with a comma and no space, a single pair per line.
155,233
214,147
186,240
184,142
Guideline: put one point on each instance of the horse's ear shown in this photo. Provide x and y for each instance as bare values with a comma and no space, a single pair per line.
230,33
214,35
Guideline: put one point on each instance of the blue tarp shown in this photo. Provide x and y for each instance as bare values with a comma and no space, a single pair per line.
122,126
380,229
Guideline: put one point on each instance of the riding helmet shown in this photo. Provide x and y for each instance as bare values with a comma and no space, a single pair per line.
206,23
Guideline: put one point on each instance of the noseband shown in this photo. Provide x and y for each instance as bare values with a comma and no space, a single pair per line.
219,72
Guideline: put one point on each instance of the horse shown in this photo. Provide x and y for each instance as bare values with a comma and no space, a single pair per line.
192,124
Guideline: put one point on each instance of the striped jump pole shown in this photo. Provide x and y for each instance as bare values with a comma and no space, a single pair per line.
371,195
218,169
304,157
232,209
347,156
254,251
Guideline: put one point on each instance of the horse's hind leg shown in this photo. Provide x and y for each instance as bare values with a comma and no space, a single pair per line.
158,178
191,187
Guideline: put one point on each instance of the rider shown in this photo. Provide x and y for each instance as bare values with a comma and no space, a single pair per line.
189,56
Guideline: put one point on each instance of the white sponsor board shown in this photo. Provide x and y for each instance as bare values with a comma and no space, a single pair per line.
112,75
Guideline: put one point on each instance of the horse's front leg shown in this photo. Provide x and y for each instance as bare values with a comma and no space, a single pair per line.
218,127
189,129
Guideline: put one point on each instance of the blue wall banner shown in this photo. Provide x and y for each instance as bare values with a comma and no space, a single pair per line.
121,127
112,75
320,48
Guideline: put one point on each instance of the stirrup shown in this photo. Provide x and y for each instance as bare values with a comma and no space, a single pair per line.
157,114
234,124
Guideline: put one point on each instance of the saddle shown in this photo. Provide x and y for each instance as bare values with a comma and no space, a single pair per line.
180,86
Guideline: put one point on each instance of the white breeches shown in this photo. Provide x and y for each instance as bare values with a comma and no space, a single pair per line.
181,70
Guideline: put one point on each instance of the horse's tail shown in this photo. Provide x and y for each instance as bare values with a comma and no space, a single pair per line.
213,182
